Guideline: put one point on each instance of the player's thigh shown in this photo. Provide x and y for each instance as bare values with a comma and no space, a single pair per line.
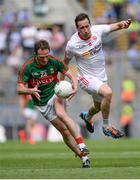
60,107
48,111
105,90
90,84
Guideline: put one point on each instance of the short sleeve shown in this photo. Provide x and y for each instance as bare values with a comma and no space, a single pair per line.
69,54
62,67
23,75
101,29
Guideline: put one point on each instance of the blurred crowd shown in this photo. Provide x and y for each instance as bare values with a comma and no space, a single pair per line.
117,10
18,36
128,95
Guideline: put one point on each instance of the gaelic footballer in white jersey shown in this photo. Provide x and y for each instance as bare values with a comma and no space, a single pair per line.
88,53
86,46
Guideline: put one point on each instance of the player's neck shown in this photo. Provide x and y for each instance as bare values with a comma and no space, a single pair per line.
40,65
83,38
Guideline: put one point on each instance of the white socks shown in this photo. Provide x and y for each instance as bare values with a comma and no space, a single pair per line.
81,146
105,123
84,158
88,117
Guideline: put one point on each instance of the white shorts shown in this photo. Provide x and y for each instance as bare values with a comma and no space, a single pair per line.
30,113
48,111
91,85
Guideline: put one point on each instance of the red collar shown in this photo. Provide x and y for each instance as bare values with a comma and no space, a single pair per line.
83,37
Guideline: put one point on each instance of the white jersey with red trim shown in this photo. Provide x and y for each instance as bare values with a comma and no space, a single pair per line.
88,53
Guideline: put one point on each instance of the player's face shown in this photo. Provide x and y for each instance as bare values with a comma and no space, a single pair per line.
84,29
42,56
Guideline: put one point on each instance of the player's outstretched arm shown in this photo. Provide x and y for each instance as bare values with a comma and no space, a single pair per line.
120,25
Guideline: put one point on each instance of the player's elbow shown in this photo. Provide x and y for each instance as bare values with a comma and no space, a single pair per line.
19,89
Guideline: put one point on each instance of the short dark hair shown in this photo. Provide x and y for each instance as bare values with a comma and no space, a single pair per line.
81,17
42,44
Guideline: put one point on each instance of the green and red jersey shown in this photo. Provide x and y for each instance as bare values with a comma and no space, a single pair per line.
45,77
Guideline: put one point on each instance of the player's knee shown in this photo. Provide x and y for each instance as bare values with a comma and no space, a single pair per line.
108,95
61,114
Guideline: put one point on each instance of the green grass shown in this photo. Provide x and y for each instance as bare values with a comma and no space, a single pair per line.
110,159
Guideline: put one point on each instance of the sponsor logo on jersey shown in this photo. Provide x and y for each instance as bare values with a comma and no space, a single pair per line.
43,80
96,49
92,51
51,70
39,73
35,74
86,55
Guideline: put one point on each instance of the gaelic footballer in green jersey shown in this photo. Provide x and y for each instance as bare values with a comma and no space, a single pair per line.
38,77
44,77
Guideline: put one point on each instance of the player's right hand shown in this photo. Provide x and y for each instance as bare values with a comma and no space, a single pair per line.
35,92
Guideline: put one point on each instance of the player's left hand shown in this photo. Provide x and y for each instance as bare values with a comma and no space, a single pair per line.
73,92
125,24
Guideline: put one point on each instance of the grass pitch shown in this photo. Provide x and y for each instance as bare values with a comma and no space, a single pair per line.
110,159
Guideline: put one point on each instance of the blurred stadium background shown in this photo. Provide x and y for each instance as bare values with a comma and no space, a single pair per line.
51,18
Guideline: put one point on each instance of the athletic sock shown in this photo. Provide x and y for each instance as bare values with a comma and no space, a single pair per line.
105,123
84,158
80,142
88,117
